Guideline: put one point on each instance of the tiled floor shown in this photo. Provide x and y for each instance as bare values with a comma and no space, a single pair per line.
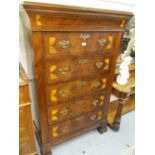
109,143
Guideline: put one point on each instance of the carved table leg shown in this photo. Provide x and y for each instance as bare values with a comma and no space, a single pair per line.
122,92
117,119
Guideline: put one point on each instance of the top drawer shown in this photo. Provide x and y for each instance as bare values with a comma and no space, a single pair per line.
62,44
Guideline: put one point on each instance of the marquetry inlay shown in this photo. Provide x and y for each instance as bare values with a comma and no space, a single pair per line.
122,24
52,69
53,95
101,100
54,131
54,113
52,49
104,80
106,61
99,115
38,21
110,41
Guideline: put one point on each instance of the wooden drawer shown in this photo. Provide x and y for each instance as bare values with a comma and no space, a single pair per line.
72,125
76,107
24,94
69,69
63,44
66,91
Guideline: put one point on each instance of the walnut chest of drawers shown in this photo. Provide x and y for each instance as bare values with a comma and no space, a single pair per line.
75,51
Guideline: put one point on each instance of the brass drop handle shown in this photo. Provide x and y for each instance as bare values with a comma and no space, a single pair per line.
96,83
83,61
64,112
99,65
80,102
63,70
82,83
63,93
84,36
102,41
63,129
93,118
95,102
78,118
64,43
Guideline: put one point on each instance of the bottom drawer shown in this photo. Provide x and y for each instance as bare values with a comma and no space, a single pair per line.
75,124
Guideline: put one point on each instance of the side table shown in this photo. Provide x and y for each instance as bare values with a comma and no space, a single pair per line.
122,92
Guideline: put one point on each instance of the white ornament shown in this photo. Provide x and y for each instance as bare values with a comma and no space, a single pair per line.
122,78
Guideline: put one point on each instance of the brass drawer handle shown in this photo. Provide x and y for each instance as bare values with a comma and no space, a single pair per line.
78,119
93,118
84,36
64,129
64,43
102,41
63,93
83,61
64,112
63,70
94,102
82,83
99,65
96,83
80,102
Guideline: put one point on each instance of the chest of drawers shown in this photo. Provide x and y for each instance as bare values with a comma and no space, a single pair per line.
75,51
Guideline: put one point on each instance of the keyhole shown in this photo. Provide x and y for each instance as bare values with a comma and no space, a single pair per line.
84,44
